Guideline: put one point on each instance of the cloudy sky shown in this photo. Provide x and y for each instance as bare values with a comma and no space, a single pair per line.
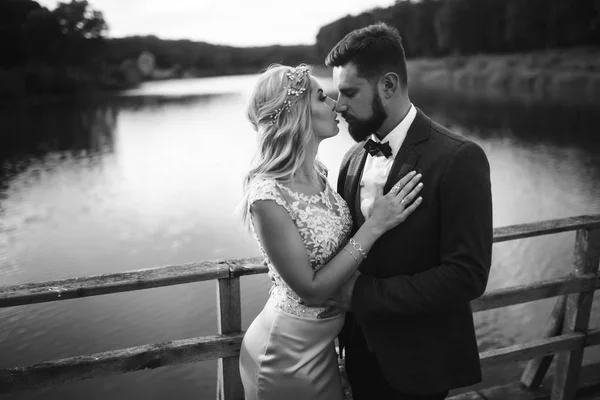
229,22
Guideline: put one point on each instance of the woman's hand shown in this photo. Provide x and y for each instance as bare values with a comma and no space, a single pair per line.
393,208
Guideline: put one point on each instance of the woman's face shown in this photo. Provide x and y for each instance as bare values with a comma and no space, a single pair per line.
324,118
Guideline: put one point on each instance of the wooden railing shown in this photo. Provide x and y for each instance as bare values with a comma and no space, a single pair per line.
567,333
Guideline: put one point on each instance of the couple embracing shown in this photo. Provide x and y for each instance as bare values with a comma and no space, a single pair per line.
389,262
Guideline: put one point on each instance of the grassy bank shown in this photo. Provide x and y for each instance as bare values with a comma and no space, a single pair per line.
567,74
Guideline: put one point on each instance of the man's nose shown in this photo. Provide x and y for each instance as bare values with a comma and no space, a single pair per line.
339,106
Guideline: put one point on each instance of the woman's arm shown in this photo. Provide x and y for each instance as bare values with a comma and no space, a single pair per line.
286,251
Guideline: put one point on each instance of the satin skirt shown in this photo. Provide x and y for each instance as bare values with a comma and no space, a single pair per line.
288,357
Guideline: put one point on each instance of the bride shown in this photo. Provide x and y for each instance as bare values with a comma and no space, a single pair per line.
304,231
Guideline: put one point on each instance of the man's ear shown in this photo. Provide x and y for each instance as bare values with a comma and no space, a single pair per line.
391,84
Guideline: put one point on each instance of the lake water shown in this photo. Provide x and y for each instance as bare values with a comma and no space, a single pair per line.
153,178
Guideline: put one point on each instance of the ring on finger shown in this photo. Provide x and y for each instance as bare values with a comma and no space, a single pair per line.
403,202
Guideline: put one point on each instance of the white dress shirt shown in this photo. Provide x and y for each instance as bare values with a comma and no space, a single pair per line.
377,168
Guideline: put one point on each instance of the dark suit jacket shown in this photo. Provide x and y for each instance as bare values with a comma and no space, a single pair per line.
412,300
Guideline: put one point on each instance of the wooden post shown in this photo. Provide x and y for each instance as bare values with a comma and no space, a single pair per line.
536,369
229,384
577,316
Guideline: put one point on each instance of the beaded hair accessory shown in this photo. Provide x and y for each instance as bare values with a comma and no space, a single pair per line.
297,76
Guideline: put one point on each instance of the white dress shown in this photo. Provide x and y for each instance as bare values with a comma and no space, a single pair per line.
287,352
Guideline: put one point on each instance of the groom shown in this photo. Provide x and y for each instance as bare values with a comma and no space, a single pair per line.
410,332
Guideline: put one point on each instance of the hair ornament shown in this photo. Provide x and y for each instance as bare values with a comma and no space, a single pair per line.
296,76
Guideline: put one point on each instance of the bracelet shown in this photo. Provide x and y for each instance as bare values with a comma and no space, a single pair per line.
353,256
358,248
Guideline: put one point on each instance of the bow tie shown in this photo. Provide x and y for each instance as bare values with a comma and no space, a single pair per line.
377,148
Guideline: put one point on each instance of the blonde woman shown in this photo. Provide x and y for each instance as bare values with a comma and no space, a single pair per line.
305,232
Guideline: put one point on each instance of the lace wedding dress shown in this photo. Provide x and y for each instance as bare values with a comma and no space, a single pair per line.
287,352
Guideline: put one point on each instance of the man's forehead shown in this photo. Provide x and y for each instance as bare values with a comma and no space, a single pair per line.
347,76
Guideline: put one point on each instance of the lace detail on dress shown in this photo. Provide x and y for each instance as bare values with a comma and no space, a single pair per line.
324,223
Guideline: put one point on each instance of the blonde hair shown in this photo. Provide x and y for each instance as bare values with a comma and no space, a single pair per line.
283,142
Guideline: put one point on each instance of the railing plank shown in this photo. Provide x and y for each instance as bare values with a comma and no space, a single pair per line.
540,347
213,347
536,369
252,267
229,384
195,272
586,258
535,348
119,361
547,227
40,292
536,291
592,338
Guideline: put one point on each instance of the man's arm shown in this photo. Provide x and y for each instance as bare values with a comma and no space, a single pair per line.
465,247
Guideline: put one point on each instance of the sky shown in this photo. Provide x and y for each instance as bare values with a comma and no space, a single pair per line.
241,23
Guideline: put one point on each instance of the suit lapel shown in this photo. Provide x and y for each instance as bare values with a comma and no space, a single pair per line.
351,192
408,155
405,161
359,218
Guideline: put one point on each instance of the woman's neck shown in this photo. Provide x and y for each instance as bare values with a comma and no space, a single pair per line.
307,174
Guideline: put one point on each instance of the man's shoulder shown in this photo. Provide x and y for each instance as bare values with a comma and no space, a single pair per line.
446,144
446,134
353,151
446,138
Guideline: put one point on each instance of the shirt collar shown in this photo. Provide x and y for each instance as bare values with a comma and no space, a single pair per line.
396,137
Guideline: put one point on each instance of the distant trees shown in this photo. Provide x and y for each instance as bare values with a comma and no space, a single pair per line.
421,32
13,46
65,49
77,19
440,27
43,51
32,34
199,58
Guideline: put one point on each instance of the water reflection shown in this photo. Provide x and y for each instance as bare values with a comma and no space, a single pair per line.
154,178
51,134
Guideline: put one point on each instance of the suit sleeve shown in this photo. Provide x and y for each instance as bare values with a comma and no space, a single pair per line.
465,248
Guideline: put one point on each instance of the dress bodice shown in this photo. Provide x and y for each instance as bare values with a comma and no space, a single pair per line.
324,223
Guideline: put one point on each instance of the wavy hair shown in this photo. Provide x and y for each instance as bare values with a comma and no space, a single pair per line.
283,143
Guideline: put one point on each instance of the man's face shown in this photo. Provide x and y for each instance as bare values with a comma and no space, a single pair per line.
358,102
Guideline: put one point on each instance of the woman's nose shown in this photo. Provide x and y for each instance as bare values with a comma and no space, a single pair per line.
332,103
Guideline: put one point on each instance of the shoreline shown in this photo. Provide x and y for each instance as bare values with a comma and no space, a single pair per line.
571,75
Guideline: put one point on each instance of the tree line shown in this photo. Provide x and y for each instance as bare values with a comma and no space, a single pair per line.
199,58
66,49
49,51
68,35
431,28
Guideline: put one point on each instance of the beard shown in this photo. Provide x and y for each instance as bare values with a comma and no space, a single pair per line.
361,129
